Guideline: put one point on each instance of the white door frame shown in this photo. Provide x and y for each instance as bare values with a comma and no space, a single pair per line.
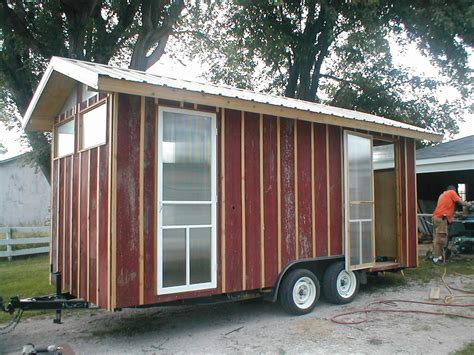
347,205
213,202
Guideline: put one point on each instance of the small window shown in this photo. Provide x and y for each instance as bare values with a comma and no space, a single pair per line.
462,191
94,127
383,157
64,139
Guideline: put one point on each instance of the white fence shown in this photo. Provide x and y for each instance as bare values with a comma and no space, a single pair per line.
8,241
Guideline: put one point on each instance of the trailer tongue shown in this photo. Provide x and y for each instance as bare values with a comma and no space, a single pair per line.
58,302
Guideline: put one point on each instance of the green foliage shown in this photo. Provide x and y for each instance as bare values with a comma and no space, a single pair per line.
339,52
98,31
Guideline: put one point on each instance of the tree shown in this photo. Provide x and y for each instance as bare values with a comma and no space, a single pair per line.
93,30
338,52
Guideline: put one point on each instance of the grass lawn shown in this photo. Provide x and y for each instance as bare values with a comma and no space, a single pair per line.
24,277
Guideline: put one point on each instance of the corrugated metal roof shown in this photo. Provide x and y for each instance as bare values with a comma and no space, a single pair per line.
90,73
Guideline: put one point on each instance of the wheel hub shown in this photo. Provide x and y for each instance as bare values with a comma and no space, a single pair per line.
304,292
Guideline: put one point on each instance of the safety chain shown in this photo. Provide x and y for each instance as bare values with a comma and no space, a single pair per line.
13,323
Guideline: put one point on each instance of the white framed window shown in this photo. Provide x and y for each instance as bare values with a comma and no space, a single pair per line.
93,127
64,139
187,201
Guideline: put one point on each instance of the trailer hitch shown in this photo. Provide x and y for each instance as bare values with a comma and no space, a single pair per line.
57,302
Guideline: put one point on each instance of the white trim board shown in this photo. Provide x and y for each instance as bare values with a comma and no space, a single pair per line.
451,163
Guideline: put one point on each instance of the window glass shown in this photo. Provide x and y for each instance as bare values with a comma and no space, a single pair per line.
94,127
384,157
186,152
65,139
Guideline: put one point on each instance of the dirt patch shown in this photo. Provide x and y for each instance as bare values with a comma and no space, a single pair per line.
257,326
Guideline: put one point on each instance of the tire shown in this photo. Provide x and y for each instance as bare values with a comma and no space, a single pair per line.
339,285
299,292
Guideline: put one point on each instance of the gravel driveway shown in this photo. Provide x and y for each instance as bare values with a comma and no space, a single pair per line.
260,327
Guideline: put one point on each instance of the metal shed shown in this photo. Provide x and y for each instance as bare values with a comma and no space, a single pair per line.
166,190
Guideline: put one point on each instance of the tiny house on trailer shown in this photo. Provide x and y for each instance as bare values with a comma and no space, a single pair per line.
169,190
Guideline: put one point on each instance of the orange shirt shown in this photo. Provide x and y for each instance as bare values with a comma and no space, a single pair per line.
445,206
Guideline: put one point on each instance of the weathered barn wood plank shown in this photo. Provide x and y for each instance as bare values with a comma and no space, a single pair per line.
288,211
270,196
320,189
233,212
252,200
127,213
304,190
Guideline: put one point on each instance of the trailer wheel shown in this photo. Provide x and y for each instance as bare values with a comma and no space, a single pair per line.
299,292
340,286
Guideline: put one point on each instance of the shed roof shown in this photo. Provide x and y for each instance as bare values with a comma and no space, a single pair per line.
62,74
449,156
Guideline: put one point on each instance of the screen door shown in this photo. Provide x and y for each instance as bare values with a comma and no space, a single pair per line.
359,201
186,201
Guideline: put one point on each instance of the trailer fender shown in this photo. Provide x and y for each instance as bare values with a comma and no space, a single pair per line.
316,265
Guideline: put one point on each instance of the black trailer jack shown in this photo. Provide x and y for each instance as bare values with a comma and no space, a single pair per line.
58,302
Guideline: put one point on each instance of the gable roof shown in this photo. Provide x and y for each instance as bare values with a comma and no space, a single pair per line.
62,74
449,156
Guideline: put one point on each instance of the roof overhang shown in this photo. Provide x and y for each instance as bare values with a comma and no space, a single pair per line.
62,75
451,163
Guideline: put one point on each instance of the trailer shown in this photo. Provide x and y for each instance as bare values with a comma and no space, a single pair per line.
169,191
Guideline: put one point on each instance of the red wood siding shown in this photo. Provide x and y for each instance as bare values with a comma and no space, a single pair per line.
320,188
335,189
233,195
127,218
252,200
80,217
149,196
305,212
270,199
274,156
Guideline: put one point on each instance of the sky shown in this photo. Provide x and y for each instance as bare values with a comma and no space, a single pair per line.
193,71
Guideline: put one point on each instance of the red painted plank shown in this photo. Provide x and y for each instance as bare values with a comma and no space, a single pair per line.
270,199
320,189
103,225
149,212
127,218
304,190
252,199
411,181
335,188
287,156
84,192
67,229
54,209
75,230
403,219
61,204
233,217
93,227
